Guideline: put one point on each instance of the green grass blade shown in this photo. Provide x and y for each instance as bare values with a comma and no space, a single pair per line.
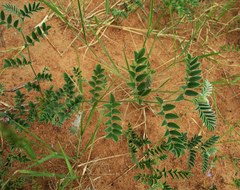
65,184
80,77
52,6
229,160
45,159
152,28
42,174
94,134
103,48
226,9
162,85
150,23
67,161
107,6
35,136
80,11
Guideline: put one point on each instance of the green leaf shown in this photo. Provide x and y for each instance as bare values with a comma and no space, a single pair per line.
116,111
108,136
146,92
2,15
44,27
167,133
108,122
195,66
195,78
132,74
196,72
92,91
116,118
161,113
99,82
101,71
62,119
13,62
195,60
173,125
140,101
180,98
101,76
68,115
141,60
98,67
19,61
29,40
108,106
63,109
175,133
140,92
141,52
164,122
29,7
178,152
95,72
117,126
7,63
39,31
169,140
184,87
177,140
109,115
135,55
141,68
9,19
115,104
108,129
131,85
94,78
141,77
141,86
92,84
168,107
180,146
193,85
171,116
98,89
112,98
115,137
25,8
34,36
22,12
15,24
117,132
191,93
133,67
159,100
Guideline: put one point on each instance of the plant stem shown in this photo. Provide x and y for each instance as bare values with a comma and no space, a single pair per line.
135,100
29,57
9,101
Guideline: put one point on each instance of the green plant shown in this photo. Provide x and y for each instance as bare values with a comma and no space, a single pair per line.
51,109
236,182
6,164
181,7
127,7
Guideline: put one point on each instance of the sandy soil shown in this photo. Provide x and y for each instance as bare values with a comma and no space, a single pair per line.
108,166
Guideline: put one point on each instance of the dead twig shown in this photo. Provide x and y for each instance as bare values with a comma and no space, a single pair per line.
16,88
1,36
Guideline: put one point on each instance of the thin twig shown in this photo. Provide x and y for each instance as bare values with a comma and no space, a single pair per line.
16,88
